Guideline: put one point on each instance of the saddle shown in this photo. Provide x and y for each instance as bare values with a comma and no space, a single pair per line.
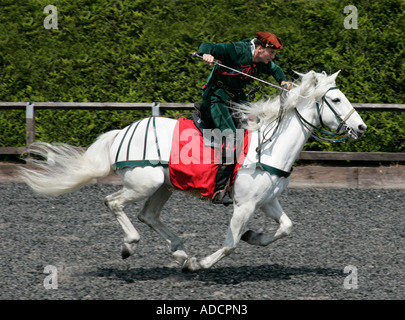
194,161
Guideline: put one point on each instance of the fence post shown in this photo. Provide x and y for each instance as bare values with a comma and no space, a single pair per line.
30,124
155,109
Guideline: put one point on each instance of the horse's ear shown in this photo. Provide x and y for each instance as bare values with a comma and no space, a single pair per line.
333,76
315,78
298,74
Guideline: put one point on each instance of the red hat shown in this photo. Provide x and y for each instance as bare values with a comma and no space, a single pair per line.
269,40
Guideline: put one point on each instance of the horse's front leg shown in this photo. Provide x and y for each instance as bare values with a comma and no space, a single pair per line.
275,211
241,216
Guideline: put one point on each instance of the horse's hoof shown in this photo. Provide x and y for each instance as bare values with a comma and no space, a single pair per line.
180,256
191,265
126,250
248,236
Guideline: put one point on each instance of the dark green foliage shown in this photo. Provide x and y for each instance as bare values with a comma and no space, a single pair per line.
140,51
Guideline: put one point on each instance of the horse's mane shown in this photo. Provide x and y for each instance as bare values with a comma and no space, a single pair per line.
312,87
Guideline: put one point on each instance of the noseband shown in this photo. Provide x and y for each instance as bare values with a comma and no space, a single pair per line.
342,122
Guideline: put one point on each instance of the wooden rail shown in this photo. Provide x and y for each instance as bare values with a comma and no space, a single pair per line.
163,105
156,108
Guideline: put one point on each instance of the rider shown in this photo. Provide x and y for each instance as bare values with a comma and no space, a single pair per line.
223,87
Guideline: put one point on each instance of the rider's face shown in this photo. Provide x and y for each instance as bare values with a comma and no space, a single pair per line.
264,55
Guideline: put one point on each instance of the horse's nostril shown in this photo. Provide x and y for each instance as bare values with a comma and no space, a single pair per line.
362,127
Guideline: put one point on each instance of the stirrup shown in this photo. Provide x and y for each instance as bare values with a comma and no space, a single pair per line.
222,197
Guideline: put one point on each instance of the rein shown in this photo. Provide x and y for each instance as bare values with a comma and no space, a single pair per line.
342,123
277,120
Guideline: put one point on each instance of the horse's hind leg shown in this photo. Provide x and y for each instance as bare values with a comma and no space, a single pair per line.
150,215
117,202
139,184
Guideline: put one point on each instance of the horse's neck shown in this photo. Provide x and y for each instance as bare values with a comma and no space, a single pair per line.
289,139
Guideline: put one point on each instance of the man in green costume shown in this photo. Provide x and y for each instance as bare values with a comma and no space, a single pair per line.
223,87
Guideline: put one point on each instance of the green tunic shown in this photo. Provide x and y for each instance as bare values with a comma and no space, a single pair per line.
224,86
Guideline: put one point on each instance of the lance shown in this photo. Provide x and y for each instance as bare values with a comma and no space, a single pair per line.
196,55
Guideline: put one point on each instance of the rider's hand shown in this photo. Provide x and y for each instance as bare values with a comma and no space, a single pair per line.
208,58
287,83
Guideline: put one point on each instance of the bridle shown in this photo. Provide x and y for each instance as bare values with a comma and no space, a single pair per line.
342,123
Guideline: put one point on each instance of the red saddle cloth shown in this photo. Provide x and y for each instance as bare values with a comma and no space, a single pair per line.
193,165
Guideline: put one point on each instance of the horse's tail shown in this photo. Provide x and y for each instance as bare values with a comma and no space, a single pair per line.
67,168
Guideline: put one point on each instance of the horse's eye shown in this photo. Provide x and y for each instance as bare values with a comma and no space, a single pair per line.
337,100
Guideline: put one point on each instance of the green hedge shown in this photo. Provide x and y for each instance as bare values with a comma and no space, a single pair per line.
140,51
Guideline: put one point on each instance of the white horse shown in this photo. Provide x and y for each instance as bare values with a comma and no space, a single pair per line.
278,137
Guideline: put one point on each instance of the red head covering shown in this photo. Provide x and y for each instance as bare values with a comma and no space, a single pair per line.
269,40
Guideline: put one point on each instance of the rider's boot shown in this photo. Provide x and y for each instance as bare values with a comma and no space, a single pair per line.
221,192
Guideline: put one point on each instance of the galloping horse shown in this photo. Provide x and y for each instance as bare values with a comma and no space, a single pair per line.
279,129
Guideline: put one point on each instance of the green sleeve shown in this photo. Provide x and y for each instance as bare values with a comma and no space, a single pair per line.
205,48
275,71
237,53
222,51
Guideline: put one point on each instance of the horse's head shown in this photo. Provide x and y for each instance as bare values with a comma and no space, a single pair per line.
337,113
334,110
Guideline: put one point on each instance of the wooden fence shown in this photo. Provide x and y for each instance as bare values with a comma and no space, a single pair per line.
157,108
